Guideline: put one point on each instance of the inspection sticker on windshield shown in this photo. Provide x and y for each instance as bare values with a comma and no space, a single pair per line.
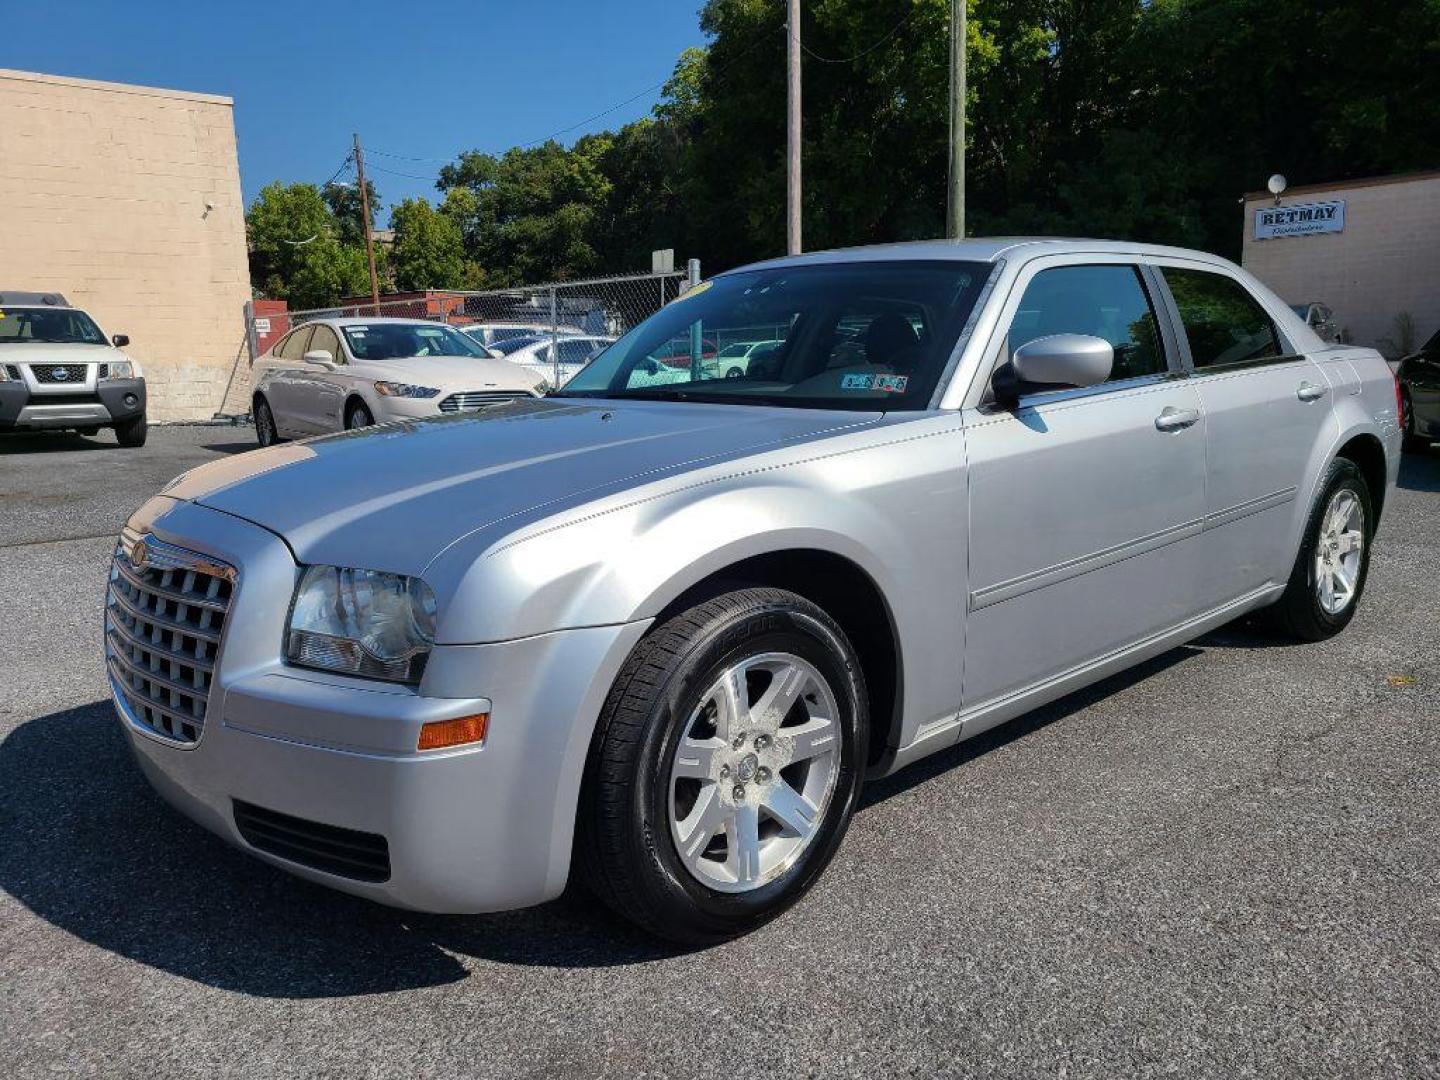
886,384
694,290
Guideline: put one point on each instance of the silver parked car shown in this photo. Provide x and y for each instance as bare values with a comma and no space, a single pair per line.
660,632
340,374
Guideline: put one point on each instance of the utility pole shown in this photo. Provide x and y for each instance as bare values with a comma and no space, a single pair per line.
365,210
792,133
955,209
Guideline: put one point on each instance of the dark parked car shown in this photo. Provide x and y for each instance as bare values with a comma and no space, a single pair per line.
1419,375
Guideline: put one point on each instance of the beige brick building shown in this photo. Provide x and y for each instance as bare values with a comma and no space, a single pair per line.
1368,248
127,200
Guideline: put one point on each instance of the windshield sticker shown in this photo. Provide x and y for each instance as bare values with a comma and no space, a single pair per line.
426,332
886,384
694,290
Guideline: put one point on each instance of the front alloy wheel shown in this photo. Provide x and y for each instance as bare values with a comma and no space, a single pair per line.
725,766
754,771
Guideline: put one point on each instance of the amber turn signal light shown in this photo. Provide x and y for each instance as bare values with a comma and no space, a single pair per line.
439,734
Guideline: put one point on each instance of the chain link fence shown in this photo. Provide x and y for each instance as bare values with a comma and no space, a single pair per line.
558,325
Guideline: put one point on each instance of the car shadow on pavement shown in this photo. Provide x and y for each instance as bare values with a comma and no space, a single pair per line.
86,845
51,442
1420,472
232,447
1014,730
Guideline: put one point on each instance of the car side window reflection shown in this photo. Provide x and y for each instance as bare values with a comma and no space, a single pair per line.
1107,302
325,339
1223,322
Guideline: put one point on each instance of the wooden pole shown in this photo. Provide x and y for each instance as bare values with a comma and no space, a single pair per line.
955,209
792,132
365,210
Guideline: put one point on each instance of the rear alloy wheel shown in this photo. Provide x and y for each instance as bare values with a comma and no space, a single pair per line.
725,767
265,432
358,416
1329,573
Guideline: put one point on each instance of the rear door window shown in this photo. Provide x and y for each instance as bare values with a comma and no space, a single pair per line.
1223,322
294,346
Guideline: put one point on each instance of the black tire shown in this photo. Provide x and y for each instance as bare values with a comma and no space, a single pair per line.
131,434
358,416
1412,443
624,850
1298,613
266,433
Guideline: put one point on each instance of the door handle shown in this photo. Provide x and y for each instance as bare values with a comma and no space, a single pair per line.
1173,419
1310,392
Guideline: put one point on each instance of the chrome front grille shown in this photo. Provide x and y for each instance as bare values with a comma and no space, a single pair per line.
164,616
59,374
478,399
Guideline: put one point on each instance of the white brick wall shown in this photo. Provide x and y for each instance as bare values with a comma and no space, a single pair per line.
103,189
1386,261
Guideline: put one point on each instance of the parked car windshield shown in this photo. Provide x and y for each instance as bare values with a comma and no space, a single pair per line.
54,326
852,335
396,341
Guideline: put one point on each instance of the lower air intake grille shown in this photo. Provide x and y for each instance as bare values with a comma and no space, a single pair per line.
347,853
477,399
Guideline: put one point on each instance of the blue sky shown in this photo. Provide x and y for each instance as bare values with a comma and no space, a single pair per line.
423,80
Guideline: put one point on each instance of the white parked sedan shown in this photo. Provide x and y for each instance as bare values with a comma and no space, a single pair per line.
557,362
335,374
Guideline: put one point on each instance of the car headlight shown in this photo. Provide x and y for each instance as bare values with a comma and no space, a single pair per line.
403,389
361,622
117,369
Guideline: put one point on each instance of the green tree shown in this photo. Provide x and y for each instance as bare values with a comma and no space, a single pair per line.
295,250
530,212
348,210
429,252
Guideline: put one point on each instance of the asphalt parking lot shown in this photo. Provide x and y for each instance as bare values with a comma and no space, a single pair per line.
1223,863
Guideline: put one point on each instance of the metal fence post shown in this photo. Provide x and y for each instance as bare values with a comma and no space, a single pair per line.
697,337
554,340
252,340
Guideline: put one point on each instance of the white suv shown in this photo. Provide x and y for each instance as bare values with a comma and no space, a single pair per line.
58,371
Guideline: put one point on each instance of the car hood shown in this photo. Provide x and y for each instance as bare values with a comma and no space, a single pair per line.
393,497
449,373
45,352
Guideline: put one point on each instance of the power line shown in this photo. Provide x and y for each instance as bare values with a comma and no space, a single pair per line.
877,43
343,166
758,40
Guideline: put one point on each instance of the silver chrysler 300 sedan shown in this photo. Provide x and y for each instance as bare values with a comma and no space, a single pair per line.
653,634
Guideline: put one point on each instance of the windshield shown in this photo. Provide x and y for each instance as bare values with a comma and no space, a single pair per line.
64,326
845,336
401,341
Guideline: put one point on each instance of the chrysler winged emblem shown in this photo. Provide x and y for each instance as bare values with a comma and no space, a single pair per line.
139,553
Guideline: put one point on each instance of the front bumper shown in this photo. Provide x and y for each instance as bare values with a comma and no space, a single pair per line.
97,405
480,828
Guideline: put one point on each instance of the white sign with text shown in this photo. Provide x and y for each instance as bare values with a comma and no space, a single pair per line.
1302,219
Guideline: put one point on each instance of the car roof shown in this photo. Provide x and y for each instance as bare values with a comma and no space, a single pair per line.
19,298
977,249
356,320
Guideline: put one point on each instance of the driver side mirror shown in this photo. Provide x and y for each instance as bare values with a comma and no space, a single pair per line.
320,358
1056,360
649,366
120,340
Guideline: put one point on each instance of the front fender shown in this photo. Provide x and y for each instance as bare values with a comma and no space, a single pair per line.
891,503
